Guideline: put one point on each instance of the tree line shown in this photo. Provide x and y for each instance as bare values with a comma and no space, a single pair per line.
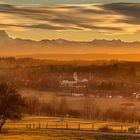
13,106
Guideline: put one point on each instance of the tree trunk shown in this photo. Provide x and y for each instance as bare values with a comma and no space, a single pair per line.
1,124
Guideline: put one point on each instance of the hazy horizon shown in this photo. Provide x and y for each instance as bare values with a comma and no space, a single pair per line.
62,27
80,21
69,69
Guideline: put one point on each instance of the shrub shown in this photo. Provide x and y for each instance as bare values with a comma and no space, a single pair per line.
105,129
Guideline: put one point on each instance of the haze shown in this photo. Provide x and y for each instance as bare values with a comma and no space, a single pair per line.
69,27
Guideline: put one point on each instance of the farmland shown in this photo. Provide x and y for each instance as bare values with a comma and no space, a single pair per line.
16,130
108,101
51,135
53,122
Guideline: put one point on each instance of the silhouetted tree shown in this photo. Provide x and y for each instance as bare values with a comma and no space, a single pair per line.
10,103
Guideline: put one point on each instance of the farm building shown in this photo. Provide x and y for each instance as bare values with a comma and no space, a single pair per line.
74,85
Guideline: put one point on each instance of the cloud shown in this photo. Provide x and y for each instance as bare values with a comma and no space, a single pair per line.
106,18
129,10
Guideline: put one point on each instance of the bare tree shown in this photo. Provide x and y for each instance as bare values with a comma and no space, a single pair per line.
54,104
89,107
34,105
63,106
10,103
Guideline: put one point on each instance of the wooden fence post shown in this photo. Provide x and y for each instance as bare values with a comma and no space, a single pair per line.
121,128
30,126
79,126
34,126
39,126
67,126
92,126
26,125
46,126
137,128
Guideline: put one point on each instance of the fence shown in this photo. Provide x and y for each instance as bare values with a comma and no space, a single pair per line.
85,127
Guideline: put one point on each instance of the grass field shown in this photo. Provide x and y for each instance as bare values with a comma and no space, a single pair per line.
79,102
24,134
16,130
54,122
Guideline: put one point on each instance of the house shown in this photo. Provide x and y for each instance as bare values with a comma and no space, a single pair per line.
67,83
74,81
74,85
84,80
78,94
136,95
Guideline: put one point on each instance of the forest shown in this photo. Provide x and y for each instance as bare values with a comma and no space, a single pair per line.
104,77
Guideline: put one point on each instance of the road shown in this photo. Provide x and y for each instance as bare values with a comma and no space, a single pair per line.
98,133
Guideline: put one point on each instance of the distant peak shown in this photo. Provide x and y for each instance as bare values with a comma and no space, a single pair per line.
3,35
60,41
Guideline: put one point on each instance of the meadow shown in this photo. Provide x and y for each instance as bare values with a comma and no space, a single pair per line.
16,130
79,102
57,135
44,128
44,122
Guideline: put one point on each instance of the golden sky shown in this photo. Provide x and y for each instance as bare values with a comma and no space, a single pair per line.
83,20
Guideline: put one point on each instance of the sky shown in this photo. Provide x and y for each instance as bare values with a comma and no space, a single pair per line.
80,20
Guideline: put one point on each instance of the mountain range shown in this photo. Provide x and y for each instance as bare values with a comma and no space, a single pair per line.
25,47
